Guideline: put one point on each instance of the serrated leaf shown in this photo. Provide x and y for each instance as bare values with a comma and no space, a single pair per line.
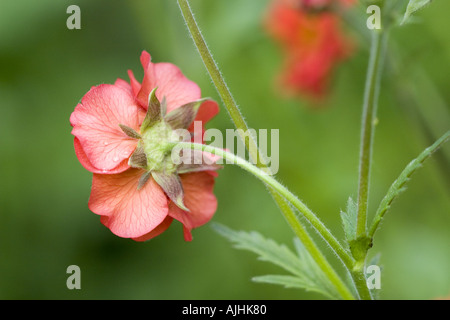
286,281
266,249
399,184
349,218
291,282
314,273
413,6
305,272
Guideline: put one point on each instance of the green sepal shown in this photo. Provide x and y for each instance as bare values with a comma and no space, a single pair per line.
163,108
171,184
130,131
153,112
143,180
182,117
138,159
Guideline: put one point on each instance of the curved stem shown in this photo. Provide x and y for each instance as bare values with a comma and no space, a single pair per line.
283,191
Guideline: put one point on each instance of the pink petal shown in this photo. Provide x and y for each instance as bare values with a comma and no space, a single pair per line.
124,85
149,81
84,160
96,122
126,211
163,226
198,198
135,86
172,84
206,112
187,234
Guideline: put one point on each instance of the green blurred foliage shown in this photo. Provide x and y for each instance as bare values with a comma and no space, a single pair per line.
45,224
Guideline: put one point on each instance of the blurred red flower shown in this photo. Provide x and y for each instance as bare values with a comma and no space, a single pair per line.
309,32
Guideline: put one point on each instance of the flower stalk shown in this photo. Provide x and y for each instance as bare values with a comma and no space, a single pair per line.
369,119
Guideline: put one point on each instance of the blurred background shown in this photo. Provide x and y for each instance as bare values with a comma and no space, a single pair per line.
45,223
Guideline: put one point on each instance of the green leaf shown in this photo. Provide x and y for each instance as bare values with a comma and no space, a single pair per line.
313,276
349,218
358,246
267,249
399,185
291,282
305,272
413,6
283,280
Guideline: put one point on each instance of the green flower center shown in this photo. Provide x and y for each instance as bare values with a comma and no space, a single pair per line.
154,143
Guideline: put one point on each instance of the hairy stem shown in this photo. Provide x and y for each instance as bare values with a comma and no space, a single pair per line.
369,119
368,127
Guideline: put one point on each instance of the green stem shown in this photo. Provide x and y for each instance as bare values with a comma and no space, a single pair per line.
369,118
359,279
286,194
368,128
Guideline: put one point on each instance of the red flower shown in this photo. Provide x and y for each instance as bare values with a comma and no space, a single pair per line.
312,42
121,133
